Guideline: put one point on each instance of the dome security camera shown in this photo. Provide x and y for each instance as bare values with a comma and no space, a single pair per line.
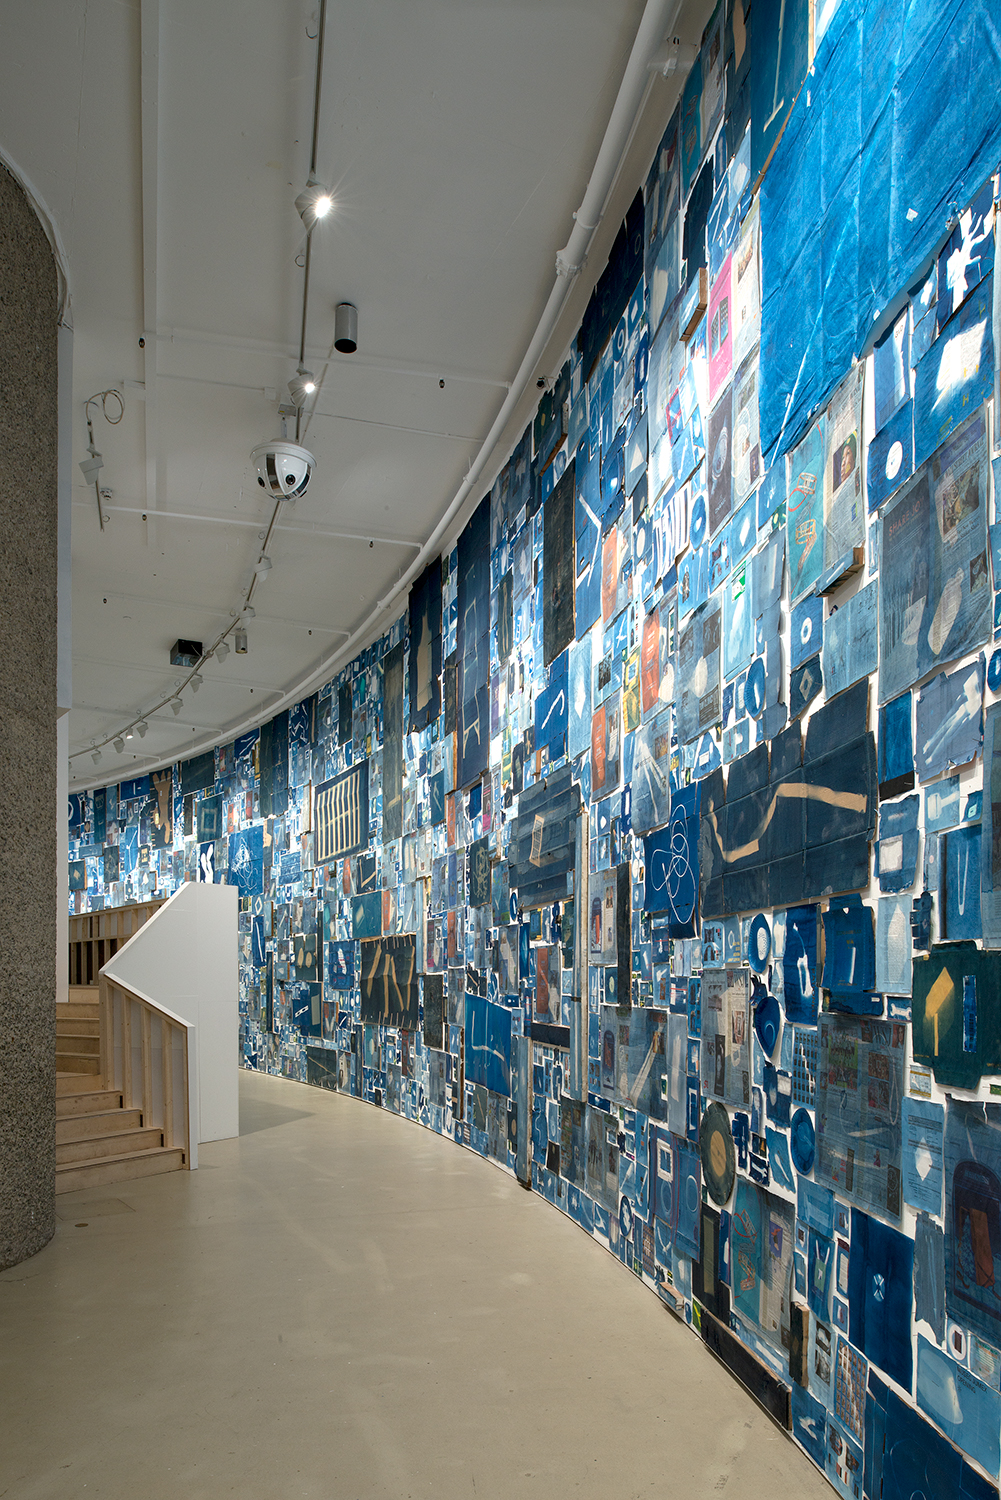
284,469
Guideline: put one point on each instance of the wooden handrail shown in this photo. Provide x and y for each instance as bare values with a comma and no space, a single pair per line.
148,1053
95,936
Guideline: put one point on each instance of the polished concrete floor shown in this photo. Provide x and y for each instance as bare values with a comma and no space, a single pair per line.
341,1304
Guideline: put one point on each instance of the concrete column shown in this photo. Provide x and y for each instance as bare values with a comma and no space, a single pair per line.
28,783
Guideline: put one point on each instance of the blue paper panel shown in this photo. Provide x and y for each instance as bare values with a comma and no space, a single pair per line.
246,860
651,790
860,1083
896,752
805,511
891,365
488,1044
942,805
809,1424
990,849
800,965
906,1457
806,630
956,376
973,1217
880,1276
672,865
849,955
851,641
923,1133
965,1409
949,720
960,913
935,596
890,462
898,844
967,255
551,710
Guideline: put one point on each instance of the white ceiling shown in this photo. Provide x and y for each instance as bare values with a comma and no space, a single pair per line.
458,136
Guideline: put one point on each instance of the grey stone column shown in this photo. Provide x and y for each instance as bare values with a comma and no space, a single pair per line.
28,573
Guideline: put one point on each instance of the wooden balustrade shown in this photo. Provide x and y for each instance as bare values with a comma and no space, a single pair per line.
148,1053
96,935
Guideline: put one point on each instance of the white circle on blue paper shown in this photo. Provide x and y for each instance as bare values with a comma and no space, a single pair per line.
894,458
806,630
619,345
759,943
754,688
994,672
699,521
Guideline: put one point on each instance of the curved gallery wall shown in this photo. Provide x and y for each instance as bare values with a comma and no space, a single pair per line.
575,864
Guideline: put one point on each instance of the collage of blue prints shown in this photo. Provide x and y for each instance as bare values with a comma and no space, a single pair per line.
654,852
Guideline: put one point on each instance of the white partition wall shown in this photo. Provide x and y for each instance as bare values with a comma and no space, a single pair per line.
185,958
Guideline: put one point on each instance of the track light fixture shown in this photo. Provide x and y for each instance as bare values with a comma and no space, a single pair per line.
96,757
128,734
196,682
263,567
176,704
301,387
314,202
221,651
240,642
141,729
119,744
249,612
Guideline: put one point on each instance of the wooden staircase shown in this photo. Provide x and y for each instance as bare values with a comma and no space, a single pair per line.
107,1035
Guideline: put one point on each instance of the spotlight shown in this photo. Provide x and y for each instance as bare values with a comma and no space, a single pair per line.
221,651
141,729
314,202
249,611
240,642
345,328
96,756
176,704
302,386
196,682
263,567
119,744
128,734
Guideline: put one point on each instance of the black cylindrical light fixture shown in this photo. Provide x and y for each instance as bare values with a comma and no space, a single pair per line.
346,328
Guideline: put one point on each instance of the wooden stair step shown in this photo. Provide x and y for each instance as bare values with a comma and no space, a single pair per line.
77,1046
118,1143
84,992
118,1168
78,1010
77,1026
72,1100
81,1127
72,1062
